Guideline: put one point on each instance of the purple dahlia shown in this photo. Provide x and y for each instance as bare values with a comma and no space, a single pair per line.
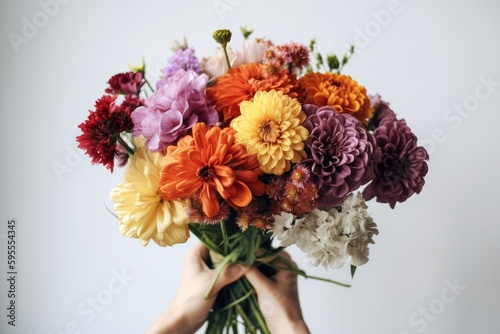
400,172
340,153
381,112
173,109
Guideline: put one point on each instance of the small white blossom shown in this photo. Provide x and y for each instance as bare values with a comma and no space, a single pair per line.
330,237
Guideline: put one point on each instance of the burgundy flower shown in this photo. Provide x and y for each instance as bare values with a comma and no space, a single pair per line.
340,151
400,172
107,120
128,83
381,112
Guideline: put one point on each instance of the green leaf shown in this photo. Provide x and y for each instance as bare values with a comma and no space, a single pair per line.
353,270
312,44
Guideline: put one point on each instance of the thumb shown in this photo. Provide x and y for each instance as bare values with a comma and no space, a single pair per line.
228,275
259,281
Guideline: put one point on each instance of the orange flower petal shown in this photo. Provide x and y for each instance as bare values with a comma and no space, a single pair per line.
209,201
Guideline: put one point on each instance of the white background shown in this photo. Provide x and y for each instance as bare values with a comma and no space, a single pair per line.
426,57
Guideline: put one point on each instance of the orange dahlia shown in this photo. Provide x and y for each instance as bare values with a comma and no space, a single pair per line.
338,91
211,163
241,83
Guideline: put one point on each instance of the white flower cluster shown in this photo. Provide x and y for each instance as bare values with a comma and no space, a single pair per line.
330,237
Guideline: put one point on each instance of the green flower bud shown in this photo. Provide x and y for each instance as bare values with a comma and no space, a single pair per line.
333,62
222,36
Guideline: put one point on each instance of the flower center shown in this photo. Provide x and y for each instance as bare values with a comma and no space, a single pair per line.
269,131
205,173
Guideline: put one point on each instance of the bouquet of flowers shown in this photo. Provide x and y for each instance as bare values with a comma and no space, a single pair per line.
252,151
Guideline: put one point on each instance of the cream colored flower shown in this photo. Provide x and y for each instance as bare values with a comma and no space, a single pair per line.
253,50
216,65
142,213
330,237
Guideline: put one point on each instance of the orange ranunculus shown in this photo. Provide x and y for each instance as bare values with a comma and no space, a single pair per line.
338,91
241,83
212,164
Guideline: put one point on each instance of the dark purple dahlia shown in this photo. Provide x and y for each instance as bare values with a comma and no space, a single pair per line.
381,112
400,172
340,153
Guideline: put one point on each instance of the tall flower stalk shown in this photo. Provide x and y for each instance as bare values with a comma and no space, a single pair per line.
223,36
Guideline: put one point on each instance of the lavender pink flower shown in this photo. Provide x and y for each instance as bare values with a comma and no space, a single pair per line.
173,109
400,172
341,153
183,59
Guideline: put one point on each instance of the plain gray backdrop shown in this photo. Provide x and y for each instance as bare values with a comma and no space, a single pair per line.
434,266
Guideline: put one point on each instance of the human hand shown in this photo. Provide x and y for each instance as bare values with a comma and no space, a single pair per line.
190,308
279,299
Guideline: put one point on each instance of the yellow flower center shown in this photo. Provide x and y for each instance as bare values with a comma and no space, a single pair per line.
269,131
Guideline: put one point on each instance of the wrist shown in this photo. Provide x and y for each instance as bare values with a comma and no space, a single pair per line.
173,320
287,324
294,327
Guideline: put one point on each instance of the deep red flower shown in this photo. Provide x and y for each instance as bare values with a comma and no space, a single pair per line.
107,120
128,83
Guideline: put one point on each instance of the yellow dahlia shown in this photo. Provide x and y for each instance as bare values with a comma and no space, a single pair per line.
270,126
338,91
142,213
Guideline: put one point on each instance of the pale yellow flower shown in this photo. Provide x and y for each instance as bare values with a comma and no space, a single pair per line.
270,126
142,213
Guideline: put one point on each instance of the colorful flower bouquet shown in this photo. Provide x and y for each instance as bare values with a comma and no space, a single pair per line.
252,151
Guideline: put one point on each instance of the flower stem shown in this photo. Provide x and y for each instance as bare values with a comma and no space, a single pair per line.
227,57
124,144
149,85
224,236
227,260
293,267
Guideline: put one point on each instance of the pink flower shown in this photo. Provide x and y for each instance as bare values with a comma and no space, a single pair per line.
128,83
173,109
